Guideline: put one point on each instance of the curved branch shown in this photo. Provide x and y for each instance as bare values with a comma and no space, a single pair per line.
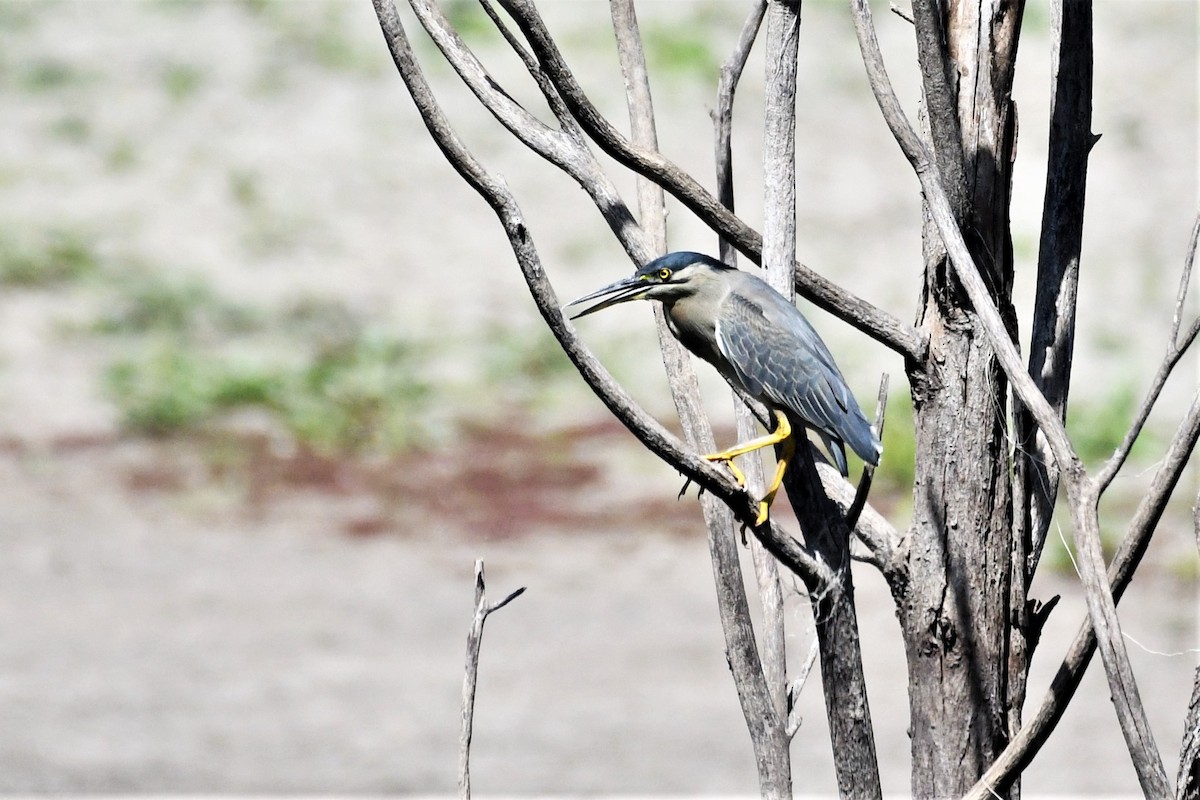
873,321
564,149
649,431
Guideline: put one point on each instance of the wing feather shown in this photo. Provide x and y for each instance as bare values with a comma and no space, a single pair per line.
778,358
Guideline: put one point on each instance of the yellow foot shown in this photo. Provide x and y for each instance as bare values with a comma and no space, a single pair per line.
764,511
737,473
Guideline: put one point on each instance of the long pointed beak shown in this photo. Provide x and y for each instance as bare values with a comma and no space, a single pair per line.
631,288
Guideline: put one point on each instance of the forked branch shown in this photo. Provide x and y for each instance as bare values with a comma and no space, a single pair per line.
471,675
649,431
875,322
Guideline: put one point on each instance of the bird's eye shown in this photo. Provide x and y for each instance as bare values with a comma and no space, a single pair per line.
664,273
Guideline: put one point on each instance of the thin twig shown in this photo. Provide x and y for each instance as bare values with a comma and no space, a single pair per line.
722,116
864,485
902,14
796,687
1176,347
471,675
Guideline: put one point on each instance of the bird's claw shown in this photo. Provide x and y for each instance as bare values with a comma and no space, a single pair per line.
686,483
764,511
764,505
734,470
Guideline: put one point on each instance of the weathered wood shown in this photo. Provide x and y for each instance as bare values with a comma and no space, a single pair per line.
1187,787
955,610
752,680
1052,336
836,621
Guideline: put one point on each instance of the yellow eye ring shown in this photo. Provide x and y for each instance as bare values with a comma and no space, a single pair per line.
664,273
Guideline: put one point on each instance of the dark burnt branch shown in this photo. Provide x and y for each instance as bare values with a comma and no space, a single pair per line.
1052,339
1083,493
864,485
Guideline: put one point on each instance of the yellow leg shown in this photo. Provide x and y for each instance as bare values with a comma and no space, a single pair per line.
781,465
783,430
782,433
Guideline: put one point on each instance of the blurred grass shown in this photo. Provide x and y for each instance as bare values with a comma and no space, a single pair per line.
1097,427
182,82
336,386
44,258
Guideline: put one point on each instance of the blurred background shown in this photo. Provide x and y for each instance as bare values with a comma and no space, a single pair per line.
249,450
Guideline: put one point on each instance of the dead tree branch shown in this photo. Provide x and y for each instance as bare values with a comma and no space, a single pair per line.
753,674
873,321
1176,347
1187,785
1033,734
1053,333
649,431
471,675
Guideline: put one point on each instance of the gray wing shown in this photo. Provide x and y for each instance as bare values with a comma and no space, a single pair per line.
779,358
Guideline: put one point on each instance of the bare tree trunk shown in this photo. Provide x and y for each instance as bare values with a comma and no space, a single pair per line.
955,610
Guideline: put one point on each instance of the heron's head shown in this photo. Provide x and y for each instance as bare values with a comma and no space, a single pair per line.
667,278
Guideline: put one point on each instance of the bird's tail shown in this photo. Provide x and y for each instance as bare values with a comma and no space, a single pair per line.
864,441
836,452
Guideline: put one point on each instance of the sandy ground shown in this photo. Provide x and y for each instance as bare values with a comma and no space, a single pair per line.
291,625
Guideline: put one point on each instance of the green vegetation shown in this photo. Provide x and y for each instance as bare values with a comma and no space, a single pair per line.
470,20
182,81
170,387
148,302
45,258
1097,428
71,128
525,365
897,471
266,228
200,356
361,396
47,75
122,156
682,51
